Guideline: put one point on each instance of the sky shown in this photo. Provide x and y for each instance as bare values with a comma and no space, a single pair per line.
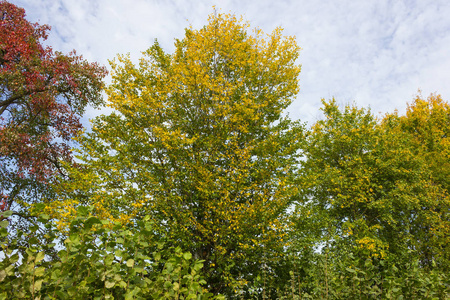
372,53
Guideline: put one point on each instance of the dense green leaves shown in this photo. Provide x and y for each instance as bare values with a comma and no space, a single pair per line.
370,194
370,186
95,261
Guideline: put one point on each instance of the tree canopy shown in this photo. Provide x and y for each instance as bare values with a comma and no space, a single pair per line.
42,96
371,188
197,140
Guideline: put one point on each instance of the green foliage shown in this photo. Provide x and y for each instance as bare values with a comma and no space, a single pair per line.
348,277
372,209
99,260
198,143
369,188
428,122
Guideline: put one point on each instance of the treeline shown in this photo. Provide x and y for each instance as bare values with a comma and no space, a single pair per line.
197,186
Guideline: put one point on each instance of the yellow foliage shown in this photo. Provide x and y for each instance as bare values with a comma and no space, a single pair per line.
197,141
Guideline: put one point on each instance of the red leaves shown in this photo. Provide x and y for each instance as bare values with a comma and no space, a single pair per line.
3,203
42,96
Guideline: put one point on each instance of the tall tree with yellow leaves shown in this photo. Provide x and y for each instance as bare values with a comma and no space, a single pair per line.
197,141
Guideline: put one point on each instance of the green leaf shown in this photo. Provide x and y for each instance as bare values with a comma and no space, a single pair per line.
130,263
40,256
39,271
3,231
10,270
44,216
2,275
38,284
109,259
198,266
109,284
7,213
4,224
83,211
187,256
74,238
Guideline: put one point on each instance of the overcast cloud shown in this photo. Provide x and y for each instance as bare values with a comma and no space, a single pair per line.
374,53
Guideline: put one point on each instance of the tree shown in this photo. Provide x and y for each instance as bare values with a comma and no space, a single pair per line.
427,123
42,96
197,141
371,192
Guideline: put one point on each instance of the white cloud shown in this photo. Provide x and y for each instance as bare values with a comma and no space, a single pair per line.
376,53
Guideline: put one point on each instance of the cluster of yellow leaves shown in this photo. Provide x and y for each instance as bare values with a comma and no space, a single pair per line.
375,247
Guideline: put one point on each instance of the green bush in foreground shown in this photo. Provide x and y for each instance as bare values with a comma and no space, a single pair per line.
97,260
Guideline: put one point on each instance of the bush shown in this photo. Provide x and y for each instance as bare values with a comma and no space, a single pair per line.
97,260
